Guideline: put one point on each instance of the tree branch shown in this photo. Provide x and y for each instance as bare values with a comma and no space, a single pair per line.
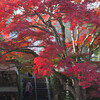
81,47
57,37
96,48
73,41
21,50
40,17
48,24
63,36
94,36
33,46
78,32
43,29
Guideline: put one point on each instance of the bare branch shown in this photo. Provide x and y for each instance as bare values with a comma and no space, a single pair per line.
57,37
81,47
63,36
40,17
96,48
21,50
33,46
73,40
78,32
94,36
43,29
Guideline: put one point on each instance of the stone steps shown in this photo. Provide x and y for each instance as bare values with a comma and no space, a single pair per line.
41,89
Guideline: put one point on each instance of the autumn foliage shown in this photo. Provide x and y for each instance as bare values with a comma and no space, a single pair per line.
67,33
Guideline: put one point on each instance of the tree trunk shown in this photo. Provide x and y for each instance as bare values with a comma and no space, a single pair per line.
77,90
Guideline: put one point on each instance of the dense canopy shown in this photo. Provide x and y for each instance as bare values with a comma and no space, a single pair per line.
67,33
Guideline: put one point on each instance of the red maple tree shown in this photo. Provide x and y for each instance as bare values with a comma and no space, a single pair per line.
68,33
